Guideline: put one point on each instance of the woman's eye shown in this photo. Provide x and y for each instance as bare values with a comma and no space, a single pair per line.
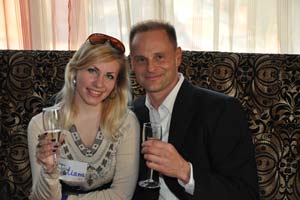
92,70
110,76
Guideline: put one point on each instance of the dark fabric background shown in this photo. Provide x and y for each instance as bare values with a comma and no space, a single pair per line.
267,85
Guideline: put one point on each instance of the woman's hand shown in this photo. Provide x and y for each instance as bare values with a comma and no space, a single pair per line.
47,152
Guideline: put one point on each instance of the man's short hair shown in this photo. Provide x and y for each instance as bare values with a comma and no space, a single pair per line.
151,25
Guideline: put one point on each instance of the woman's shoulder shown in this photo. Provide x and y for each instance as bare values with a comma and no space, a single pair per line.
129,121
36,118
129,117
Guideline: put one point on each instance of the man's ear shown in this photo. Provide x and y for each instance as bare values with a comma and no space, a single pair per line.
178,56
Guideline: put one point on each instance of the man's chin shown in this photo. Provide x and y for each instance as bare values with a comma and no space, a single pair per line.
152,89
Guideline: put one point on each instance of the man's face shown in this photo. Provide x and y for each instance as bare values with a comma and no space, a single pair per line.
155,61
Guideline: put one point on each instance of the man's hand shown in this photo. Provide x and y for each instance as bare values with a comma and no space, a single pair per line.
164,158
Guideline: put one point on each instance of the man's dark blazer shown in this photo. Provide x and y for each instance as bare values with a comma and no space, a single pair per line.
210,130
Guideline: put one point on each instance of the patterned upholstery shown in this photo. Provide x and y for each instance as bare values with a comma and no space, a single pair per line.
268,85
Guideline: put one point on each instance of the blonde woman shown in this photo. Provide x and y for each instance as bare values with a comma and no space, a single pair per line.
101,135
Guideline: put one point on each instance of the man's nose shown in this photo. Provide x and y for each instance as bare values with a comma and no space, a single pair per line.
151,65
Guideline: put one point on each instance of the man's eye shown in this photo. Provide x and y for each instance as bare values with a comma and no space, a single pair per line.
159,57
140,59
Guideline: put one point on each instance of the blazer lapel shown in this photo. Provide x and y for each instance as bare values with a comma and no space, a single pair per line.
141,110
181,117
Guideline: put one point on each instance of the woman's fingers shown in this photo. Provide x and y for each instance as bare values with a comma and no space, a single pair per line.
46,147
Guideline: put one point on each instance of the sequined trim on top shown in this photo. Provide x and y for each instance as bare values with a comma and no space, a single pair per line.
89,152
103,164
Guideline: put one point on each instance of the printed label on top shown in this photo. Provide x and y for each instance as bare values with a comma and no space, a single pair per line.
71,170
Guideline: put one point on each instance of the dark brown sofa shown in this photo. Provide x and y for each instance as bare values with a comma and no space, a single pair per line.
268,86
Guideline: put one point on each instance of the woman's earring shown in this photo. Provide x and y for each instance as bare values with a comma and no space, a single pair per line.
74,82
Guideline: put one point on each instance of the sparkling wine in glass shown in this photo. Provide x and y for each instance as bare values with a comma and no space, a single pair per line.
52,125
151,131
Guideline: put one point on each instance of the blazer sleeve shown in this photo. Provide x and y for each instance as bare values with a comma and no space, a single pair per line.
231,173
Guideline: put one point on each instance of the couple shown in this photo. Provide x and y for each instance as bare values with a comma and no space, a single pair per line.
205,152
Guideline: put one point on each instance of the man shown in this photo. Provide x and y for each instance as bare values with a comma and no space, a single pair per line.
206,150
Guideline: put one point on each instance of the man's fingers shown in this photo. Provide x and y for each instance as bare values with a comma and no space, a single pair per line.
154,143
154,166
153,158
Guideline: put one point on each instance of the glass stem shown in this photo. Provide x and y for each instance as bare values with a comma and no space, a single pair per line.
54,158
151,174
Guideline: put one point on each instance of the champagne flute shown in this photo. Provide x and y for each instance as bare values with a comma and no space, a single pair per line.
52,125
151,131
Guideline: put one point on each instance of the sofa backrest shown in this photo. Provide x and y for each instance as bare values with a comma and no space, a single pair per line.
267,85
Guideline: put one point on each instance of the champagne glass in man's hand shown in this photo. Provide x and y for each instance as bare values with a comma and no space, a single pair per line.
52,126
151,131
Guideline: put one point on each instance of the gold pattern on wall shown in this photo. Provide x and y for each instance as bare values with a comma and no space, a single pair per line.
268,86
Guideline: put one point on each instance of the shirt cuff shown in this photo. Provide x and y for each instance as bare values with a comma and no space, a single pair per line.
190,186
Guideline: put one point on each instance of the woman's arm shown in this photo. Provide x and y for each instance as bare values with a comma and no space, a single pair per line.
44,185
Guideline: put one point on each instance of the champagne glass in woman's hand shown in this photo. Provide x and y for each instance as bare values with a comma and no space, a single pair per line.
52,125
151,131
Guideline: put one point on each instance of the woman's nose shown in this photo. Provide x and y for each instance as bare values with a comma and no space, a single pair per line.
99,80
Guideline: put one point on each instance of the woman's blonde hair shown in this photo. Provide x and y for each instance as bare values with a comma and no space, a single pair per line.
115,104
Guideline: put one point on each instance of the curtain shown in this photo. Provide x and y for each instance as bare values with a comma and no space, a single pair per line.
268,26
